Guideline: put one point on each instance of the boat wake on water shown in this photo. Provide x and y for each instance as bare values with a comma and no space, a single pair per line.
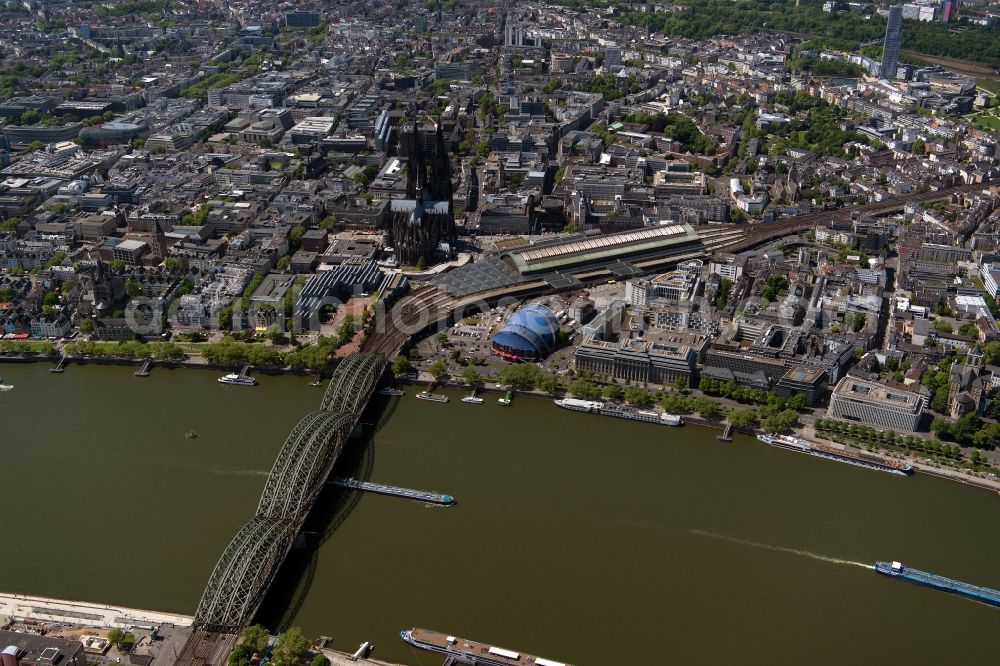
217,471
781,549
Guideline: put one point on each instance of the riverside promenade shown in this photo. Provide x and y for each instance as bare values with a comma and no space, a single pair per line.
41,609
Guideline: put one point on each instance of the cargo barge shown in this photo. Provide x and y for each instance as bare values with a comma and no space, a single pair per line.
856,458
470,652
604,409
978,593
395,491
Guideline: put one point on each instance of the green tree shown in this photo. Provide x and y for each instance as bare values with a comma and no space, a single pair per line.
798,402
638,397
127,642
775,285
319,660
991,353
675,404
87,326
987,437
7,294
722,296
942,326
965,428
550,384
743,418
783,421
401,365
115,636
56,259
346,331
939,402
613,392
30,117
941,427
969,330
290,648
241,655
132,288
421,264
438,367
470,376
858,320
707,407
296,236
584,389
256,636
284,263
520,376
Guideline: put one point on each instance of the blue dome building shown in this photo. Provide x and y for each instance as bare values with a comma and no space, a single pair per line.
529,334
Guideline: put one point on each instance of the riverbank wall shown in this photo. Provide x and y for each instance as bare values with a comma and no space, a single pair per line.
196,362
43,609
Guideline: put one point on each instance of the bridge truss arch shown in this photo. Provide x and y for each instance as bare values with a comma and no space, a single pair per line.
247,567
243,574
303,464
352,383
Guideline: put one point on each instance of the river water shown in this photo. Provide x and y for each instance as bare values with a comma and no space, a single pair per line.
575,537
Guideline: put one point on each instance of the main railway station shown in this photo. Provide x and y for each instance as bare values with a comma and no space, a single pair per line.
560,264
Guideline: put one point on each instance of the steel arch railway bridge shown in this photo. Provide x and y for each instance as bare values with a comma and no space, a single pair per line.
248,565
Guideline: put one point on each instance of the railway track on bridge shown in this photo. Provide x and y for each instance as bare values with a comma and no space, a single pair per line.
762,233
249,564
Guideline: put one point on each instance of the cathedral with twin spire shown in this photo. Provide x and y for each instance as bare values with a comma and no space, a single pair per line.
422,225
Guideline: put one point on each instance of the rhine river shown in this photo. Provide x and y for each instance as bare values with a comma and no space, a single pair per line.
575,537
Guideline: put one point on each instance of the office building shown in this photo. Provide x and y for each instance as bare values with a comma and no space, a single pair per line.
876,405
302,19
809,381
130,252
452,71
613,57
893,39
641,361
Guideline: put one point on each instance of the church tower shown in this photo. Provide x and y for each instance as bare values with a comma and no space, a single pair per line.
422,225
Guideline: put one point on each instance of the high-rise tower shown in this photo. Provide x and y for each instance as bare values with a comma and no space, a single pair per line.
893,39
